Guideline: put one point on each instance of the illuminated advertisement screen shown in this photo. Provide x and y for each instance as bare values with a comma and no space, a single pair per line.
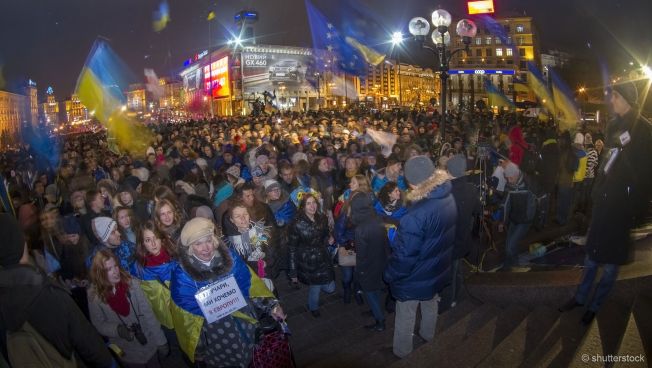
481,7
268,71
216,78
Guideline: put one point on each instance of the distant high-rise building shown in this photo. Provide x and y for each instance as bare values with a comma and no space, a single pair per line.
50,109
12,115
245,21
391,84
31,107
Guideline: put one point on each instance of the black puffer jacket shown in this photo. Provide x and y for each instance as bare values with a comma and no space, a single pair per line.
371,243
309,258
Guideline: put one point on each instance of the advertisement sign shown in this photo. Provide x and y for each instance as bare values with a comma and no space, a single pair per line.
216,78
192,80
483,71
220,299
481,7
267,71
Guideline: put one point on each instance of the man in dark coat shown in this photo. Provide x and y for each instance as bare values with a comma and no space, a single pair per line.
28,299
371,247
419,267
467,200
621,194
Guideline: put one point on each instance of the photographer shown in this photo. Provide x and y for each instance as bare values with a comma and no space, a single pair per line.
121,313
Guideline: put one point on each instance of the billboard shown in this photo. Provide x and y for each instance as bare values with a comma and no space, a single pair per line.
216,78
481,7
270,69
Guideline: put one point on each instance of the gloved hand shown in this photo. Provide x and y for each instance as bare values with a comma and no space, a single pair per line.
163,350
125,333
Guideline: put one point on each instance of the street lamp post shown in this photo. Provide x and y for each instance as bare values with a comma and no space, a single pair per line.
441,38
397,40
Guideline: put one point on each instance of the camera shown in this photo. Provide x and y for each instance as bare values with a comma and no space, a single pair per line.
138,333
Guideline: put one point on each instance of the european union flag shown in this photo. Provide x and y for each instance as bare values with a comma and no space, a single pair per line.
347,43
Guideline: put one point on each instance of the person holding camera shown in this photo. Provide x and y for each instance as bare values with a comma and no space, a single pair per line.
121,313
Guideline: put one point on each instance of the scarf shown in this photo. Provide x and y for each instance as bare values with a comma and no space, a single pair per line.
153,261
118,301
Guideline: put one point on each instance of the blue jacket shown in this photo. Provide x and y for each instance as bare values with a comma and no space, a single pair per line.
184,288
377,183
419,266
125,253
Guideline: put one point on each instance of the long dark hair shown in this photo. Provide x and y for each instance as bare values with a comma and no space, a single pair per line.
141,251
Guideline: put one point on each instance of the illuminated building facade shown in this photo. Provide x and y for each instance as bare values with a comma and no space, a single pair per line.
31,107
391,84
50,109
75,110
492,59
137,98
12,115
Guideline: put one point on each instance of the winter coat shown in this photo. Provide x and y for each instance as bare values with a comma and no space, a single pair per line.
371,244
549,165
310,261
27,295
467,201
419,266
155,282
228,341
620,195
517,149
106,321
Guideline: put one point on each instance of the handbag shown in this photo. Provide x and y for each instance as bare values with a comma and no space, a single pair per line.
345,258
273,351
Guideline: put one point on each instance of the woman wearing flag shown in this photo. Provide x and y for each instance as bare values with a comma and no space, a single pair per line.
210,332
153,266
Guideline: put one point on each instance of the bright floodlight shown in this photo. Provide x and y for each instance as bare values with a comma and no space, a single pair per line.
419,27
441,18
438,40
647,71
397,38
466,28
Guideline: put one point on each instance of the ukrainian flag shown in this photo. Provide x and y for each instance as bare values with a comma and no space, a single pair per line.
496,97
155,282
100,88
538,86
568,114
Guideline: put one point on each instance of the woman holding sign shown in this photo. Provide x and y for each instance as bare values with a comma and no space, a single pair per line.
217,299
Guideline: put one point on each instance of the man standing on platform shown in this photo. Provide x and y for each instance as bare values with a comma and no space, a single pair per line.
419,267
621,196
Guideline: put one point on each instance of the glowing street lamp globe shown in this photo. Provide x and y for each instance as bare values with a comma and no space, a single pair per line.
419,27
466,28
438,39
397,38
441,18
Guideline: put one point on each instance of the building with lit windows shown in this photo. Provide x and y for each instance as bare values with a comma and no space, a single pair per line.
75,110
495,60
12,115
392,84
50,109
137,98
31,107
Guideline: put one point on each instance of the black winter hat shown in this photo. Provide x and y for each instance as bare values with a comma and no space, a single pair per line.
13,244
628,91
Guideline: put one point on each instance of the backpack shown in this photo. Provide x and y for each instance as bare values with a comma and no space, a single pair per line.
27,348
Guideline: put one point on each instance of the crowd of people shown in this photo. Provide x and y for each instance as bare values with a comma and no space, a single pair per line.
293,198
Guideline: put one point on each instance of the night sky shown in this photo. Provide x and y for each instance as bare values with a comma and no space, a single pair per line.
48,40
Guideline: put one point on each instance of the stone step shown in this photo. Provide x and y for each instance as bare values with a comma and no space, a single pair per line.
641,311
479,345
565,332
439,349
528,334
631,346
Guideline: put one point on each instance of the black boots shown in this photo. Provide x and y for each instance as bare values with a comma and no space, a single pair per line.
378,326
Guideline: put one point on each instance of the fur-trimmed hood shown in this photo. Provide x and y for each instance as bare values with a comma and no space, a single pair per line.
422,190
221,264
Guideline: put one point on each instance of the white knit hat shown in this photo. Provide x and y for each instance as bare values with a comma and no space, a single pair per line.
103,227
196,229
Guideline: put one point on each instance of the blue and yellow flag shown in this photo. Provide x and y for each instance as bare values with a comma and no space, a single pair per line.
349,41
568,115
538,86
161,17
496,96
100,88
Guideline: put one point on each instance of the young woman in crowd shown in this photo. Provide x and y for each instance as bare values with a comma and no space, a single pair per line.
168,219
389,204
155,259
127,223
121,313
310,262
